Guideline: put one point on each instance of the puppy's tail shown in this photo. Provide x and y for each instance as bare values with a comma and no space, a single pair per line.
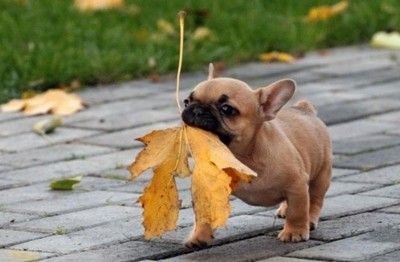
306,106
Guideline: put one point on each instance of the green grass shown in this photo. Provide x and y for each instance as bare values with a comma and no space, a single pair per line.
45,43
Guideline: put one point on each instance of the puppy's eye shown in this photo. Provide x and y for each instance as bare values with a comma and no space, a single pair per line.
186,102
228,110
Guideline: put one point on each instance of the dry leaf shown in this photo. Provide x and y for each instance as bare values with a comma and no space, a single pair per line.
386,40
216,173
277,56
325,12
86,5
65,183
56,101
47,126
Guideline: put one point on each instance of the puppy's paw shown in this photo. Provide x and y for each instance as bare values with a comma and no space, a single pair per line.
281,211
313,225
200,237
294,235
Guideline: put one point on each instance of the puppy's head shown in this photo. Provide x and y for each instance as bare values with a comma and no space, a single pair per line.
230,109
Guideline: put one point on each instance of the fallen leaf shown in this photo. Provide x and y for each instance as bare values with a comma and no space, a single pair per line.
86,5
386,40
47,126
55,101
216,173
21,255
277,56
321,13
65,183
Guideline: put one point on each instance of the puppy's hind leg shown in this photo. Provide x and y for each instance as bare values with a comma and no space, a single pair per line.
317,189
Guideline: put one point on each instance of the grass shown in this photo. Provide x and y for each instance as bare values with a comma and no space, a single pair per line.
46,43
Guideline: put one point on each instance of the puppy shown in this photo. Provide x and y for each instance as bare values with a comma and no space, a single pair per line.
290,149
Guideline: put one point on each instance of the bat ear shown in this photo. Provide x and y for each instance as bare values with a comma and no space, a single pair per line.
210,71
273,97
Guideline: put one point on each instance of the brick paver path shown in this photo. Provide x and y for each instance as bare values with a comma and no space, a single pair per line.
357,92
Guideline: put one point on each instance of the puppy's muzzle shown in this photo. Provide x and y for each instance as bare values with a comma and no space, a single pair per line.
200,116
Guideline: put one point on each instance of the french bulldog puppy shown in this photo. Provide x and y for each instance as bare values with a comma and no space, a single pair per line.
289,149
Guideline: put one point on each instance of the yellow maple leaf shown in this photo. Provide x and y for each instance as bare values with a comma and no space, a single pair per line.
55,101
277,56
325,12
216,172
86,5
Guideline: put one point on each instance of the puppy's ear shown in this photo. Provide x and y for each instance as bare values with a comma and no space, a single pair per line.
274,96
210,71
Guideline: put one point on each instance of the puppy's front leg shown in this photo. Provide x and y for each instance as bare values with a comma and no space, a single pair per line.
296,226
201,236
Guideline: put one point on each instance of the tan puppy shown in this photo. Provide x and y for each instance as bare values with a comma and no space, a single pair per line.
290,149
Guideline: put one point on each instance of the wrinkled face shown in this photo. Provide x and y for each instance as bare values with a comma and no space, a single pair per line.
223,106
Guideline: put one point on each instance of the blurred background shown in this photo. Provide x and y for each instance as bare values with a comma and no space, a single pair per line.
48,43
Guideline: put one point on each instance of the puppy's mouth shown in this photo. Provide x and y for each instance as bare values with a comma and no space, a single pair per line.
207,118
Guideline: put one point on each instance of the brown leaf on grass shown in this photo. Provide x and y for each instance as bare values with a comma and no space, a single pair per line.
216,173
277,57
55,101
321,13
86,5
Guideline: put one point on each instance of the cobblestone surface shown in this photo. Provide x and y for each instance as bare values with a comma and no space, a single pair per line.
357,91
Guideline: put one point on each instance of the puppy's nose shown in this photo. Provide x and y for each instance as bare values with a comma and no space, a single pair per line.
198,110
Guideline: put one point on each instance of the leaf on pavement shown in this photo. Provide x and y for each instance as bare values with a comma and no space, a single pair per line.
216,172
277,57
386,40
55,101
65,183
47,126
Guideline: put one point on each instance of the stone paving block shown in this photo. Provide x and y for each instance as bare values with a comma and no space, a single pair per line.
389,117
78,220
31,192
339,188
126,138
339,205
353,225
7,218
356,145
390,257
383,176
128,120
119,173
116,107
11,237
358,128
129,251
89,165
110,233
343,112
355,248
245,250
287,259
71,202
19,125
238,227
389,89
355,67
238,207
10,255
339,172
369,160
52,154
7,116
393,209
389,191
89,183
328,98
62,134
4,183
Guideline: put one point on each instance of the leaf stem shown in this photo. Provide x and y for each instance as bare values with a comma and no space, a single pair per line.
181,15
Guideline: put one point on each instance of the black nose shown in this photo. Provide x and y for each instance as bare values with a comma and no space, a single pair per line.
198,110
